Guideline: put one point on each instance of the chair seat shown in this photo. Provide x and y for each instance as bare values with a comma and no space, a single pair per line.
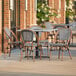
72,45
74,34
30,44
57,44
16,42
43,42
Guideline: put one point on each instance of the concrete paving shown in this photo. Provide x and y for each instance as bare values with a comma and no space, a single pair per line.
11,66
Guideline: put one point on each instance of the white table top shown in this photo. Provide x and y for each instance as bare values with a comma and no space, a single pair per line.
44,30
41,30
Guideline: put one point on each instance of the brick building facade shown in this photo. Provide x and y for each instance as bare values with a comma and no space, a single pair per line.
23,17
0,25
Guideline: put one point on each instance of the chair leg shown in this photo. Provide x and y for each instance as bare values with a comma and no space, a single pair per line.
33,56
70,54
47,51
41,51
40,54
31,50
59,55
72,39
21,55
27,54
62,55
50,53
9,52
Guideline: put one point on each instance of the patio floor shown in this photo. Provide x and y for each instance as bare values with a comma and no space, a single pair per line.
11,66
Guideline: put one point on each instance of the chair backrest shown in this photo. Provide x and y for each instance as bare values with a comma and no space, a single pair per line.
64,34
73,23
27,35
59,26
48,25
73,28
7,32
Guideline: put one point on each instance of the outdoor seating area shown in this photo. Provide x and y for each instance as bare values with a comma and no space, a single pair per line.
37,37
58,38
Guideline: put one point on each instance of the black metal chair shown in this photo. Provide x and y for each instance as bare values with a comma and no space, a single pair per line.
62,41
27,37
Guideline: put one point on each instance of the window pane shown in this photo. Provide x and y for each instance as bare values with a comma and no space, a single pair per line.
35,4
12,4
26,3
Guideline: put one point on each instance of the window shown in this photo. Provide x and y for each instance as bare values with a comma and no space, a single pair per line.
26,4
35,4
11,4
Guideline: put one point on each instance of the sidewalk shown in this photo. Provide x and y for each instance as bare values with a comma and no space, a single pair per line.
11,66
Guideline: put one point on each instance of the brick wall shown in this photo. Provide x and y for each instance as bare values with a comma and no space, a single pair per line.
62,19
6,13
23,17
28,17
0,43
6,19
0,16
0,26
55,5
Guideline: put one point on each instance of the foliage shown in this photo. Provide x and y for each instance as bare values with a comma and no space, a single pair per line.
44,12
69,10
42,25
